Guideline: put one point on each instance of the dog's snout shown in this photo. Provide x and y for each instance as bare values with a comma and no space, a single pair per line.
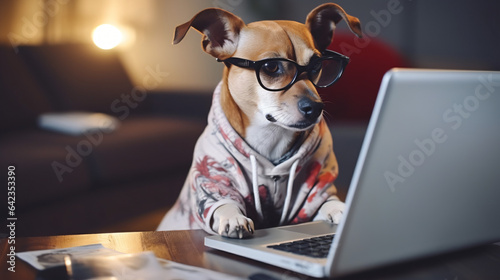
310,109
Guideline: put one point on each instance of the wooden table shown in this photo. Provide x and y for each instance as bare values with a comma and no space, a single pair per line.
187,247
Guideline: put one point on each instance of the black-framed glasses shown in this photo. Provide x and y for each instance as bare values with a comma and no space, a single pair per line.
275,74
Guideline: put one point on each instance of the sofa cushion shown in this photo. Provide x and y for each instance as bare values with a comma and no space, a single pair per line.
144,146
22,98
79,77
36,154
51,166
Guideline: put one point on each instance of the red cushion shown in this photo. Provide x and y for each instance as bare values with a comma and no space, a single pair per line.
353,96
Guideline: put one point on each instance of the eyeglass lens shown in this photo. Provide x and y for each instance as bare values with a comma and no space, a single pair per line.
325,72
279,74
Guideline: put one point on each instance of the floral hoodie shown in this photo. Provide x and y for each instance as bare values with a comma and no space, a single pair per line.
226,169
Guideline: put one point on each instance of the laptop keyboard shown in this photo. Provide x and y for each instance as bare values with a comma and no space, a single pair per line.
316,247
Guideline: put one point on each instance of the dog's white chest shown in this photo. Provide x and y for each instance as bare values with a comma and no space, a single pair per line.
270,141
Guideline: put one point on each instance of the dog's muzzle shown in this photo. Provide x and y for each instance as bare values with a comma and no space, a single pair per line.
310,111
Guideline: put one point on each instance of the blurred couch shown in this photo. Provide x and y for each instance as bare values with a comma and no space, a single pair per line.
77,184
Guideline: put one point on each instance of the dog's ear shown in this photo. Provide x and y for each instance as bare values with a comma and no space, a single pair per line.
220,31
322,22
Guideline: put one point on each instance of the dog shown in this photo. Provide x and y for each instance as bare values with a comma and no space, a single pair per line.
266,157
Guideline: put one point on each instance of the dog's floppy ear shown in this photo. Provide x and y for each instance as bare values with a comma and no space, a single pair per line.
220,31
322,21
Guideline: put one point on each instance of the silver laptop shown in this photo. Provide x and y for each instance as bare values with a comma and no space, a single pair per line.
427,180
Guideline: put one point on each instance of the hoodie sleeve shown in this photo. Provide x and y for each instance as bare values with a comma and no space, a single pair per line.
213,183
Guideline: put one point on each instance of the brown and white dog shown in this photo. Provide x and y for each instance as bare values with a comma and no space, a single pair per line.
266,157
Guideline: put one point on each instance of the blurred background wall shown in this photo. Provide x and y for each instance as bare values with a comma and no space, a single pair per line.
458,34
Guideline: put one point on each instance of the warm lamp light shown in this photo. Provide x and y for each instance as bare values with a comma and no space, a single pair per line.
107,36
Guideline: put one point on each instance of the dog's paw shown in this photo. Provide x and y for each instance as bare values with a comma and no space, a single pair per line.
331,211
229,222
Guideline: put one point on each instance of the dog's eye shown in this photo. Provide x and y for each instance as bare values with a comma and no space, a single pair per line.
271,67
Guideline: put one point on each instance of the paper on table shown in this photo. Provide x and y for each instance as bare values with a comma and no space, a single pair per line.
144,266
43,259
96,262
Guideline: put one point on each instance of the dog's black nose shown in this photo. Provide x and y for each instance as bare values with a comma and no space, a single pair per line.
310,109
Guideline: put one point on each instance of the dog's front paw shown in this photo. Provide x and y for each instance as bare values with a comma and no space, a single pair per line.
230,222
331,211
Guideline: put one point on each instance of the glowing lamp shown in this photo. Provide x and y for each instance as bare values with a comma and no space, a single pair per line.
107,36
